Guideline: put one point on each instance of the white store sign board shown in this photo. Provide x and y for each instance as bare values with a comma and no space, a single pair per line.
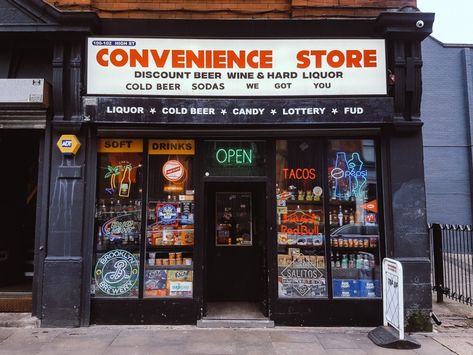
235,67
393,295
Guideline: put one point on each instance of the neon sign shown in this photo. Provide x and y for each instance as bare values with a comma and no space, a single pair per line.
299,173
349,175
234,157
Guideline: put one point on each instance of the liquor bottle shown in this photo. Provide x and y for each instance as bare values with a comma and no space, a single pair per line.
125,183
346,217
118,207
111,210
352,217
340,216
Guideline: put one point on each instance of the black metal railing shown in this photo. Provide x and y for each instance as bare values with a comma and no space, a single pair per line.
452,261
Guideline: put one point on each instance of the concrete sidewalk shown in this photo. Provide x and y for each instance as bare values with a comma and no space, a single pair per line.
129,340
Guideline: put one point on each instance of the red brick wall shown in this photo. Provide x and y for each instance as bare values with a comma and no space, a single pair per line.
231,9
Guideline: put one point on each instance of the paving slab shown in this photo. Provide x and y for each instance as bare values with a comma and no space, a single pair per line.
211,348
459,344
287,335
337,341
290,348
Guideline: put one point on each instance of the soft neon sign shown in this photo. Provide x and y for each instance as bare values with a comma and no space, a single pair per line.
237,157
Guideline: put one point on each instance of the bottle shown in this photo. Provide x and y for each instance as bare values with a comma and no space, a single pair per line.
337,260
352,217
332,260
359,262
344,263
111,210
346,217
125,183
99,238
366,263
340,185
118,207
340,216
351,262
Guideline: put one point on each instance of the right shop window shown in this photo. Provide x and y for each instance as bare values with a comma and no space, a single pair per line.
353,218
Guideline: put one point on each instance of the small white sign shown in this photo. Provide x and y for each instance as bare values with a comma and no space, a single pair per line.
393,295
235,67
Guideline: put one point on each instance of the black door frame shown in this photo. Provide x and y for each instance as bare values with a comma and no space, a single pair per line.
206,233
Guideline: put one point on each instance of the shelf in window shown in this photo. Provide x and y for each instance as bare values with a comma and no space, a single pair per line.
342,202
106,248
353,249
170,247
303,202
169,267
301,246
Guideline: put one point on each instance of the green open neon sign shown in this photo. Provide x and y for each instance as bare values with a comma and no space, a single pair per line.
234,157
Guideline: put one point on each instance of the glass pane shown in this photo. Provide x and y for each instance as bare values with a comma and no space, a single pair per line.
118,218
235,158
354,234
300,218
234,224
170,219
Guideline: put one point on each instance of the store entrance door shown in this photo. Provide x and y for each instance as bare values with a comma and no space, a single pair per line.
235,253
19,178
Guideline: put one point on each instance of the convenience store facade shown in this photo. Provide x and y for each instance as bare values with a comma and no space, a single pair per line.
276,169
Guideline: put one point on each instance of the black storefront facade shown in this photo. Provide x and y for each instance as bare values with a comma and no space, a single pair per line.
174,202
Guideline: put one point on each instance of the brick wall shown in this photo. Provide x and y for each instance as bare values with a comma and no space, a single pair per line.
231,9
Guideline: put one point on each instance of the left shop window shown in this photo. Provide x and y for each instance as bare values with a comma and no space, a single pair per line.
118,218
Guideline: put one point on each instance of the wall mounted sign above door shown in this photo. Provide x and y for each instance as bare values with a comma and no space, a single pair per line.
239,111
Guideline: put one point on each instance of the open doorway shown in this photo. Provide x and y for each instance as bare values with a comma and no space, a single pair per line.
18,182
235,250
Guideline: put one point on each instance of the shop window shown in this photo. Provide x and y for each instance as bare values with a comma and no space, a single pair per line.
235,158
118,218
354,218
170,219
302,269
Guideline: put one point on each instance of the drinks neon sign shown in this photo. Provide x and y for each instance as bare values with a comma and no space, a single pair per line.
349,176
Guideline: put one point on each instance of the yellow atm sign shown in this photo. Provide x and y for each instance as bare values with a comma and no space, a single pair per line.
68,144
116,145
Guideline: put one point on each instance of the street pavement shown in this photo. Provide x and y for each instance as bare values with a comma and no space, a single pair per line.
22,336
177,340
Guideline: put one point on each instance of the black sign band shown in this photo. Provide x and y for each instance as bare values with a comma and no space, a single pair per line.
239,111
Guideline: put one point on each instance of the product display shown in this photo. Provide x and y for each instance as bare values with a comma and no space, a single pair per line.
170,226
354,234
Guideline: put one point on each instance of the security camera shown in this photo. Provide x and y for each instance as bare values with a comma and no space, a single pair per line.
420,24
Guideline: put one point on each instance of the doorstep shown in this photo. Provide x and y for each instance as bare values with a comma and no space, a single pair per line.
19,320
235,323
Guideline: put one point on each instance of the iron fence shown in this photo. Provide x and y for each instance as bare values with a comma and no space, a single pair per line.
452,261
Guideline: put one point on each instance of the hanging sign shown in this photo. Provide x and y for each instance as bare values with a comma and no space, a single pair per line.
68,144
234,67
171,146
173,170
112,145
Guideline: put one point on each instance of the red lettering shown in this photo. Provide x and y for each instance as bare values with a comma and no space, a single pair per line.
369,58
160,60
99,57
119,57
302,57
354,59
